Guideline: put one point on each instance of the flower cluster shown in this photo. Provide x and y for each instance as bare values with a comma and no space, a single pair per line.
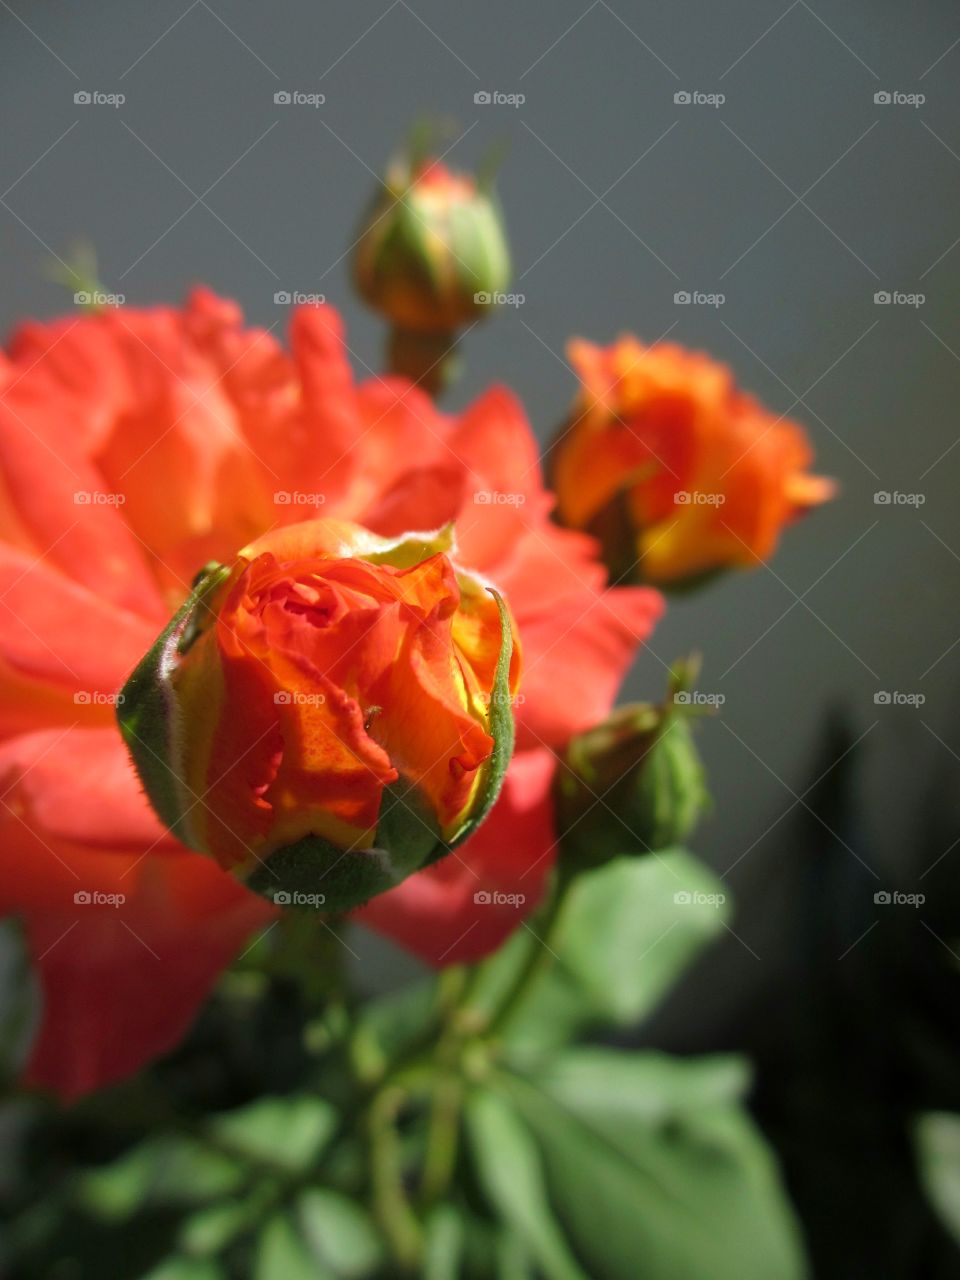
197,422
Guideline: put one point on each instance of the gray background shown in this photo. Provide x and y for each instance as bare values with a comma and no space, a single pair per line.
798,198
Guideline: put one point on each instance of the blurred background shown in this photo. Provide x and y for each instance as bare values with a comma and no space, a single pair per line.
803,164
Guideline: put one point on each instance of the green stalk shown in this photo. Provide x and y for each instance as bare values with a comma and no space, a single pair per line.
537,961
392,1209
443,1140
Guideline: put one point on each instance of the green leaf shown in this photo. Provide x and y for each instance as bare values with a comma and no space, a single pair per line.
284,1132
629,929
514,1261
340,1233
282,1254
186,1269
656,1172
168,1170
649,1087
937,1138
511,1174
620,943
210,1230
443,1250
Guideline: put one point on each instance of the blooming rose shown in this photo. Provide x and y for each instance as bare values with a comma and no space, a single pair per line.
679,471
333,692
136,446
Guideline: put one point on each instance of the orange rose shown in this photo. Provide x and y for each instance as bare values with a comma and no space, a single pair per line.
135,446
333,692
678,471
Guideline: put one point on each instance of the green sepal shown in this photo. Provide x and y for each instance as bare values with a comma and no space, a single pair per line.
146,712
316,868
501,729
407,825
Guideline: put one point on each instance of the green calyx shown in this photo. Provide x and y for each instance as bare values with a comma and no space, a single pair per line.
432,257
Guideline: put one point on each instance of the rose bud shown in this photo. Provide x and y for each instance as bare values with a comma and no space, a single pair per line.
634,784
329,714
432,257
674,469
